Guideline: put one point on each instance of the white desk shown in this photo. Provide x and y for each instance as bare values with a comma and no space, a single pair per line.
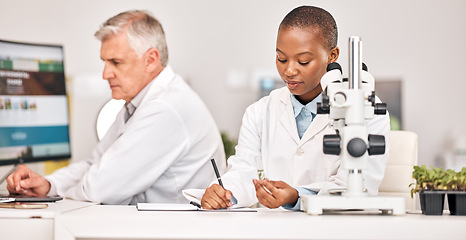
34,223
125,222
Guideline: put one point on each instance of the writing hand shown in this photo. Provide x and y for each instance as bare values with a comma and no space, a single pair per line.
216,197
274,194
24,181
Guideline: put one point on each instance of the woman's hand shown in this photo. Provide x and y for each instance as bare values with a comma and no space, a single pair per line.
216,197
274,194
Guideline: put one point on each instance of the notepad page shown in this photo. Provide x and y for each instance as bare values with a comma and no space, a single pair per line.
166,207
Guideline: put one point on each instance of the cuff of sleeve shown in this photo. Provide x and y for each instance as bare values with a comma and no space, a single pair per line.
53,189
297,205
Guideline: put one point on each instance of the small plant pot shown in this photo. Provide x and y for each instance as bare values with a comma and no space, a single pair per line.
457,202
432,202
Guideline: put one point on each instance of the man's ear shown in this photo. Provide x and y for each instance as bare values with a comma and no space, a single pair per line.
334,54
152,57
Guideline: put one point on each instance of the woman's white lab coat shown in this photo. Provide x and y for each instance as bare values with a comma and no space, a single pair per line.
269,137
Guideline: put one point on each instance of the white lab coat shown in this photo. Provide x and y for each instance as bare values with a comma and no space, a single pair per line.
166,146
269,135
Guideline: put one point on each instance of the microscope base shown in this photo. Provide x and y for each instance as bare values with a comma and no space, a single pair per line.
315,204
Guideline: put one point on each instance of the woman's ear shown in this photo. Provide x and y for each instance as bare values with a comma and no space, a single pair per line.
334,54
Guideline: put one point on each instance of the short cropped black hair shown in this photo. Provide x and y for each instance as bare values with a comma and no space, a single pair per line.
310,16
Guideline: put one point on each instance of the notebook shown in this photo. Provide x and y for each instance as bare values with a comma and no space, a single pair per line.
185,207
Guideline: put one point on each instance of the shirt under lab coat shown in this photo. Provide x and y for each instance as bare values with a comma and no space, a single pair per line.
269,137
165,146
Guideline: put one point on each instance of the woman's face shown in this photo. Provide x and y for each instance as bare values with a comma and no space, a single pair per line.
302,60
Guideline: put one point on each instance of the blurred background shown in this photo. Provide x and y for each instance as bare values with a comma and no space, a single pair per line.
226,51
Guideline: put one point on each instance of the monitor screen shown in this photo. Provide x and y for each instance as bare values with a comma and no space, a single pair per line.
34,119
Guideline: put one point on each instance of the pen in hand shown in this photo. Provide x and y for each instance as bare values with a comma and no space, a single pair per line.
216,172
233,199
195,204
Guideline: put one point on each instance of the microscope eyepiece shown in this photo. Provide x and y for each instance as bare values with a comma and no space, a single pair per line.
364,67
333,66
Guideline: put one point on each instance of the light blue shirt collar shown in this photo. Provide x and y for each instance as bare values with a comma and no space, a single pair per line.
304,114
311,106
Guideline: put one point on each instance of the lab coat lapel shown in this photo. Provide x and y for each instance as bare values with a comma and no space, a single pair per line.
287,117
114,132
121,125
319,123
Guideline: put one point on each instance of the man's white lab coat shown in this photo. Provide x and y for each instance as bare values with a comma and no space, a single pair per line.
165,146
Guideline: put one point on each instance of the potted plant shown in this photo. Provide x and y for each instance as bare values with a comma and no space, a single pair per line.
456,191
432,185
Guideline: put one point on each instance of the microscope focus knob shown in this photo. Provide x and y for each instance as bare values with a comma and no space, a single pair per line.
380,109
331,144
376,144
371,98
356,147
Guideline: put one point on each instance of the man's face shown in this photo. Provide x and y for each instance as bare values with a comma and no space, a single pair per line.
124,70
302,61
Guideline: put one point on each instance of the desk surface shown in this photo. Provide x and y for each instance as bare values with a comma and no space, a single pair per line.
35,224
126,222
50,212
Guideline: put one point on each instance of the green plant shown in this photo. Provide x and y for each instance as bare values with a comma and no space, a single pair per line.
228,144
456,181
436,179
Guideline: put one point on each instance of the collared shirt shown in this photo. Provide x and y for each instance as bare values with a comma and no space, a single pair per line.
132,105
129,107
304,114
136,101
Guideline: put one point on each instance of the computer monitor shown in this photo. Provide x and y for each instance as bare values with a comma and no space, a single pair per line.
34,117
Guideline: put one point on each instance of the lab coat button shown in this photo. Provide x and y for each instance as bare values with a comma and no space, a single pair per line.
299,151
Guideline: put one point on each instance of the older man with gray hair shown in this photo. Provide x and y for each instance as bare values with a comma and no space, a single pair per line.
161,141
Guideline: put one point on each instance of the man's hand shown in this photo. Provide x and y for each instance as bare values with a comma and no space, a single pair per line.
274,194
24,181
216,197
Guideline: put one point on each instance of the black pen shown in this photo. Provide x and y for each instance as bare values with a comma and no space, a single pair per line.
195,204
233,199
216,172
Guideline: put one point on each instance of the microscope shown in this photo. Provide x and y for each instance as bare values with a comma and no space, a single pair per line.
349,104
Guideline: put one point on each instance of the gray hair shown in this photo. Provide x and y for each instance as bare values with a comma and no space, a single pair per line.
143,32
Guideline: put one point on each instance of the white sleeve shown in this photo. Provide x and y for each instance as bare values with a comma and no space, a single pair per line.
66,177
146,149
242,166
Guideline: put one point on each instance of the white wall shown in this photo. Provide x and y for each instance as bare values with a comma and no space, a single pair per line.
219,46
